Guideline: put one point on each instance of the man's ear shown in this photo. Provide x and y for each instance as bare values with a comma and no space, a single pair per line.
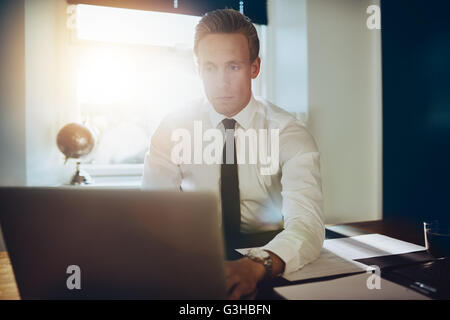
255,67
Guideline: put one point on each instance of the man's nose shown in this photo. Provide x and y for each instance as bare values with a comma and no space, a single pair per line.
224,80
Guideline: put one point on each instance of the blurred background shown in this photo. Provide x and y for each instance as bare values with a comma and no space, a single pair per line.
376,100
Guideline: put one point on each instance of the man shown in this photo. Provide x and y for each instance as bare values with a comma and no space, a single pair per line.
227,49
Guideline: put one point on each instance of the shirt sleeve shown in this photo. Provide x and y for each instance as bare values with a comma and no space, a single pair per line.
160,172
302,205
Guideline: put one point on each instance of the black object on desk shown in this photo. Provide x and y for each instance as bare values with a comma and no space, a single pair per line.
418,270
430,278
397,260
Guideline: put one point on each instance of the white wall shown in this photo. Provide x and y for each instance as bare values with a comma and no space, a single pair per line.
34,91
323,60
344,93
285,69
12,94
48,90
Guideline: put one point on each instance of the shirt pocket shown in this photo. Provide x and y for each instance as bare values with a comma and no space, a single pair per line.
264,179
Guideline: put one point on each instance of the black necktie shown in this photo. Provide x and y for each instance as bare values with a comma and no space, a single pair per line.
231,209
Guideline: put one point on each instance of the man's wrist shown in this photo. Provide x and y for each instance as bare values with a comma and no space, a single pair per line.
278,264
263,258
258,269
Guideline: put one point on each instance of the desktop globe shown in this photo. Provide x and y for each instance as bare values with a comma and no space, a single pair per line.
75,140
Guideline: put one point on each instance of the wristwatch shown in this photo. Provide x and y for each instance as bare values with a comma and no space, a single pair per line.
261,256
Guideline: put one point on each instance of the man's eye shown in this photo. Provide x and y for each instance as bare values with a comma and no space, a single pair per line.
234,67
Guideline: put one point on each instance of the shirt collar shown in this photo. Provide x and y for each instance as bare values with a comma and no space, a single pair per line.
244,117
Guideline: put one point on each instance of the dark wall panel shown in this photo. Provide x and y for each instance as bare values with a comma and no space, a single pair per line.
416,108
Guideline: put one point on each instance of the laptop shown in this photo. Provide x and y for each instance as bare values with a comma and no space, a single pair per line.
80,243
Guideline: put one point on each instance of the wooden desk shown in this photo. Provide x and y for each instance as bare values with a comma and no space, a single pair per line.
8,287
399,229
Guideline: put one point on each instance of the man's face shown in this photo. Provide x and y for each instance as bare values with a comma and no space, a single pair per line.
226,71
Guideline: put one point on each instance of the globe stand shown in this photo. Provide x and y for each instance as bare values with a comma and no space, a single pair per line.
81,177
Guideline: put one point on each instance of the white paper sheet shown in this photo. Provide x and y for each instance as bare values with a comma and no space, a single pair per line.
349,288
327,264
337,255
368,246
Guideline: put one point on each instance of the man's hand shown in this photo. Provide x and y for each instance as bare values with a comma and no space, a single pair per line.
242,276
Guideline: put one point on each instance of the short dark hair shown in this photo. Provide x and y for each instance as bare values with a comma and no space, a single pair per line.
227,21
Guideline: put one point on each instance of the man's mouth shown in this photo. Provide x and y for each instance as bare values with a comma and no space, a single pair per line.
224,98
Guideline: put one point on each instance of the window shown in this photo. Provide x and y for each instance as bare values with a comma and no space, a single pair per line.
132,68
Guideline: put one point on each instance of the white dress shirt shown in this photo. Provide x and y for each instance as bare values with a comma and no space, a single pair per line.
289,199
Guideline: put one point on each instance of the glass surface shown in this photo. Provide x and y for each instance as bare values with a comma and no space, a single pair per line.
437,238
